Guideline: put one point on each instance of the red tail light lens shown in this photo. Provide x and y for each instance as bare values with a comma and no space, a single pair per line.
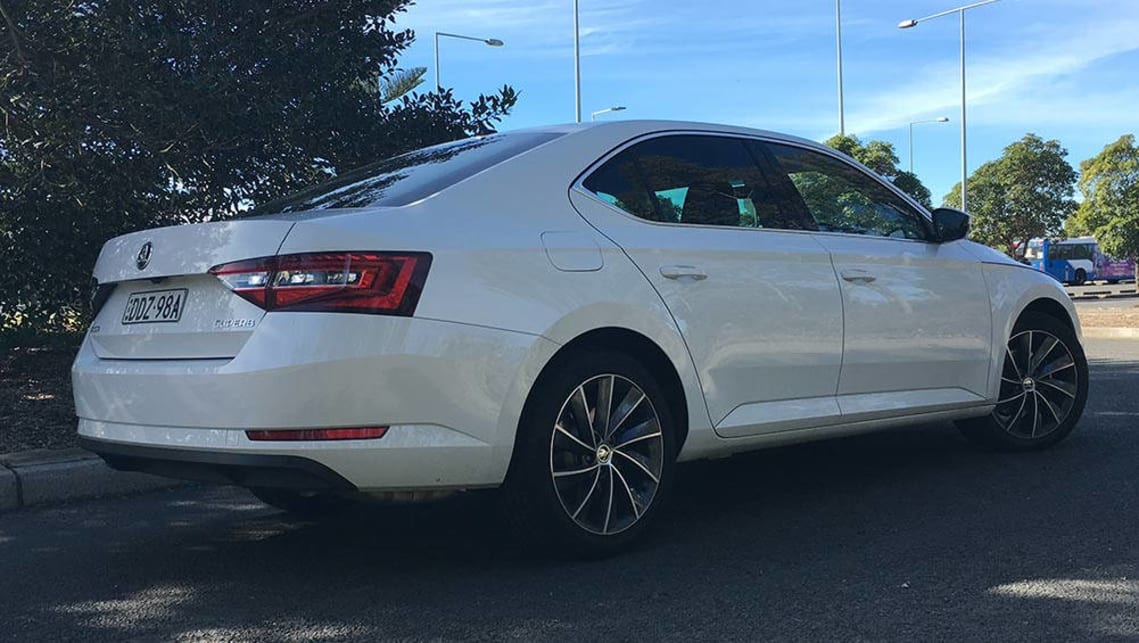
310,435
379,283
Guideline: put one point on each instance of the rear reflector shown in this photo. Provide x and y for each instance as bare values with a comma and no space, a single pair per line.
378,283
309,435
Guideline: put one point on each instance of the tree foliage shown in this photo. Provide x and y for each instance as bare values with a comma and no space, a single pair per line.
1109,183
1026,193
118,116
881,157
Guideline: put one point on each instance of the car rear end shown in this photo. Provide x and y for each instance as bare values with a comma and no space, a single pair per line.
213,357
285,350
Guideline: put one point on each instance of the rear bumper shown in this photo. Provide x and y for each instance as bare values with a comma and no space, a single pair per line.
450,394
244,469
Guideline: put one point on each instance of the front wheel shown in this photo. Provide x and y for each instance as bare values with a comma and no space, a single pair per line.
1080,277
593,459
1044,386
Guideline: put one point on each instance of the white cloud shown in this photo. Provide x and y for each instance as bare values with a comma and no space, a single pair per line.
1008,80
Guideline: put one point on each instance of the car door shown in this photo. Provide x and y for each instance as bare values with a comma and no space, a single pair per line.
754,296
917,318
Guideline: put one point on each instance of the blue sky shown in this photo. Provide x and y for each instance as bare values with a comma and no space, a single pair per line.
1064,69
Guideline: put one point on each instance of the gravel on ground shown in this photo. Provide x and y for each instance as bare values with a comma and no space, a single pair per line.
36,409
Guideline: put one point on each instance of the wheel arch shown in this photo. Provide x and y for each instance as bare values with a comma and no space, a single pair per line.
636,345
1050,307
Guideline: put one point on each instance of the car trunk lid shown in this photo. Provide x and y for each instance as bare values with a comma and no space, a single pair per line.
165,304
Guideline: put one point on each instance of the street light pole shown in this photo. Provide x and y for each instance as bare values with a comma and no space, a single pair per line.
576,64
838,49
909,24
490,42
939,119
964,144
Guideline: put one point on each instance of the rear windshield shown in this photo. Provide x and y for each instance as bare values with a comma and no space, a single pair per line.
409,177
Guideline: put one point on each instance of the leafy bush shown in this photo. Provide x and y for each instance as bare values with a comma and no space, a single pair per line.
118,116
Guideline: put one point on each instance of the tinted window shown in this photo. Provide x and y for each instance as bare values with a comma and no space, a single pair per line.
412,176
842,198
699,180
1071,251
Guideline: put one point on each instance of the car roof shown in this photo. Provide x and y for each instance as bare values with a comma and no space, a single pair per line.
632,128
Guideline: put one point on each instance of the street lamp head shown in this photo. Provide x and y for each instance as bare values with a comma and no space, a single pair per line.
907,24
618,108
494,42
942,119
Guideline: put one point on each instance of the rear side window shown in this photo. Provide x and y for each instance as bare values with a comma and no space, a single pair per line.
409,177
693,179
842,198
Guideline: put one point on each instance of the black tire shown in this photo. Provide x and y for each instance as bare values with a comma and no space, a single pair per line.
1048,384
1080,277
306,504
1112,282
536,501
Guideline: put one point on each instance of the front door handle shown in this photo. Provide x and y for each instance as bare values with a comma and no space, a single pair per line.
680,272
858,276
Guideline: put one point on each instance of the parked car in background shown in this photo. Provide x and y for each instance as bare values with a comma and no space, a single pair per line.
564,314
1078,260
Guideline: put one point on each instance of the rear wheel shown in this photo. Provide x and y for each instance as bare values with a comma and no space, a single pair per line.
593,459
1044,386
307,504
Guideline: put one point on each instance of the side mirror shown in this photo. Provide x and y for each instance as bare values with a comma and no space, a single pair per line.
950,224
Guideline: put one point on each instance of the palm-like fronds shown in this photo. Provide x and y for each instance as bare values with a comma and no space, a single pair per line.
399,82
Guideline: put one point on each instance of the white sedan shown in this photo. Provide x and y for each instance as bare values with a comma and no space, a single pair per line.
563,313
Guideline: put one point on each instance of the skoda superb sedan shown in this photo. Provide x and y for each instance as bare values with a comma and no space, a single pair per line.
563,313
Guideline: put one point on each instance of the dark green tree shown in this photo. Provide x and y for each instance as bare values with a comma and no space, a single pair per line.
880,157
1026,193
1109,182
116,116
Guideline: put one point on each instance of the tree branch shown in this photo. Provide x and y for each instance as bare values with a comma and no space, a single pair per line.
13,34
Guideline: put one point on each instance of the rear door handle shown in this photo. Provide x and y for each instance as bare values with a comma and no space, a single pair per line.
680,272
857,276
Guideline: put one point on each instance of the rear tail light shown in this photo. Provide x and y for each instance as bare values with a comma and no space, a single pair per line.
310,435
379,283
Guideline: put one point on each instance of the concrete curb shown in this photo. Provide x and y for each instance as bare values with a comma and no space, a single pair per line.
1103,294
45,477
1111,333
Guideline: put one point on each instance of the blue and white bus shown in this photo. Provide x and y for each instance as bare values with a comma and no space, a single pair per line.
1071,261
1075,261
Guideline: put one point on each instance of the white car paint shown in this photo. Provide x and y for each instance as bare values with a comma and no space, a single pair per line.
523,263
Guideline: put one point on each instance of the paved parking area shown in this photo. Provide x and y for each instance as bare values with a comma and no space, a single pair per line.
902,535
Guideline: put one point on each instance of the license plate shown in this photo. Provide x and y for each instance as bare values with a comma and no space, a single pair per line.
155,306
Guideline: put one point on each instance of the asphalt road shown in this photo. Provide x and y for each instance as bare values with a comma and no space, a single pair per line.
909,534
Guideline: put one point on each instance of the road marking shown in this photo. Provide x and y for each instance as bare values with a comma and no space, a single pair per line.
1116,413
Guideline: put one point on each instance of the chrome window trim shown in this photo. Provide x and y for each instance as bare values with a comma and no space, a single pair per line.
579,183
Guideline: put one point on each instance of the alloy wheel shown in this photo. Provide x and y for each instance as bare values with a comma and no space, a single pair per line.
1039,385
606,454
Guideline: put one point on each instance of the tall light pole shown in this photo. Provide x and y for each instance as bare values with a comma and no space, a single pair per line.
576,64
616,108
939,119
838,49
908,24
490,42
